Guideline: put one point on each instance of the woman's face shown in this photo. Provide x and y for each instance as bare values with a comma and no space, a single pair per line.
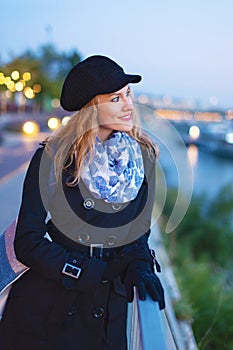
114,112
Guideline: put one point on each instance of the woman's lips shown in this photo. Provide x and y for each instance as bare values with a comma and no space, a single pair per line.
126,118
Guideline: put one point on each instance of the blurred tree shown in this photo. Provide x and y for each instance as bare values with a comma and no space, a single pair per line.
47,66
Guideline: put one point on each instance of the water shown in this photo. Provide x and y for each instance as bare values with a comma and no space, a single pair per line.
193,169
211,173
206,174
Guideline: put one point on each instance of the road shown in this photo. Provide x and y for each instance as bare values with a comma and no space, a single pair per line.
16,151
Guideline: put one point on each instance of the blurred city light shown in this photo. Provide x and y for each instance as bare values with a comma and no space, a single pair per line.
229,137
193,154
8,94
17,91
27,76
229,113
30,128
53,123
19,86
143,99
29,93
15,75
65,120
55,103
11,86
2,78
7,80
37,88
194,132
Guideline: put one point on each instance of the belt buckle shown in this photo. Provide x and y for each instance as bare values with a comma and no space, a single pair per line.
94,247
71,270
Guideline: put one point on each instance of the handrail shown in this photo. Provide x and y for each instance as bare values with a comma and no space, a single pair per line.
145,325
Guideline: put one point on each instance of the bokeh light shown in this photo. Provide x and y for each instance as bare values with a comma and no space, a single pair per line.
194,132
27,76
53,123
19,86
15,75
30,128
55,103
65,120
29,93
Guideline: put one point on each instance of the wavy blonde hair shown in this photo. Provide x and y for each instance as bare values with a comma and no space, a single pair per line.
77,138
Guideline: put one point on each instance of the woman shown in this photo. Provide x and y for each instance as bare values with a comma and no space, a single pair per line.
81,276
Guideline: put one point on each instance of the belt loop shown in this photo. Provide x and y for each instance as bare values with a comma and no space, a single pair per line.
96,247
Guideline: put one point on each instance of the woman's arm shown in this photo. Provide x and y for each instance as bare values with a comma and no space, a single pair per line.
32,248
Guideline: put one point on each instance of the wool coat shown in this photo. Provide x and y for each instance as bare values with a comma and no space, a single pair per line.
48,309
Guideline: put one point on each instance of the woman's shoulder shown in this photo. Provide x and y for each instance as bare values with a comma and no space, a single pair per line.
38,151
37,155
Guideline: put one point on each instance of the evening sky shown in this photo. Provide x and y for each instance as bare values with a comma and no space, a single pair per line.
182,48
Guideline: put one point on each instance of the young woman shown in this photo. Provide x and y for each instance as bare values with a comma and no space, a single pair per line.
87,257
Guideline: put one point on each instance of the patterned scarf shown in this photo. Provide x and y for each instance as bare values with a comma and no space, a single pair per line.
115,172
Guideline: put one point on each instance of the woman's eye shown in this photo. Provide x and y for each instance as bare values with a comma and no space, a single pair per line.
115,99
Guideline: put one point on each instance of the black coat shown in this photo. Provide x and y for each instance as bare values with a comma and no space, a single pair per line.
47,309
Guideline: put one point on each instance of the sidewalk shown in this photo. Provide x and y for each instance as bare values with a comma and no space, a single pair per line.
10,196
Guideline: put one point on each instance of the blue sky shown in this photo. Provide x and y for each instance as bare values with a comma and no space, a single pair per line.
182,48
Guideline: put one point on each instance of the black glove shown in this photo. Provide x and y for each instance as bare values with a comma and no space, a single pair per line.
140,274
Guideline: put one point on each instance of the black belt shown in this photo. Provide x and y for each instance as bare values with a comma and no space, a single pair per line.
96,250
76,260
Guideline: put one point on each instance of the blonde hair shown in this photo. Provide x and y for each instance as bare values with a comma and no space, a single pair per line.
77,138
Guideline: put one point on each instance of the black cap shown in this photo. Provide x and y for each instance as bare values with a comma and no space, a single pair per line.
94,76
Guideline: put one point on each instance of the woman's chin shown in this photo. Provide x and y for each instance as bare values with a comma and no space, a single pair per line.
124,127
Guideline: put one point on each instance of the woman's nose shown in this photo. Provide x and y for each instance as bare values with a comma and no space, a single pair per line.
127,104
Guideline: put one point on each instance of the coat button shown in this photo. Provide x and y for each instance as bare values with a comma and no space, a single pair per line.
116,206
72,311
98,312
111,241
88,203
83,237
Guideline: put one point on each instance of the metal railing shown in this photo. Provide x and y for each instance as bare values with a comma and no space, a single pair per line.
148,328
145,328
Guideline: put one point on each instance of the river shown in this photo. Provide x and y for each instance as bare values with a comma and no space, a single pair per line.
192,168
211,173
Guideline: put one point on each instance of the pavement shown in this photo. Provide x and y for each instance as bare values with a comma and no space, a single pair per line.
10,196
15,154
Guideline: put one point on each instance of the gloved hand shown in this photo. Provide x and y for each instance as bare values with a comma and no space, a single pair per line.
140,274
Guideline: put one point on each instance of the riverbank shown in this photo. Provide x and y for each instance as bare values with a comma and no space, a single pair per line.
200,250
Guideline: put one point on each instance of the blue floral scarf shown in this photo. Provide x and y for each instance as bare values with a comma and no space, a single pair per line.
115,172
